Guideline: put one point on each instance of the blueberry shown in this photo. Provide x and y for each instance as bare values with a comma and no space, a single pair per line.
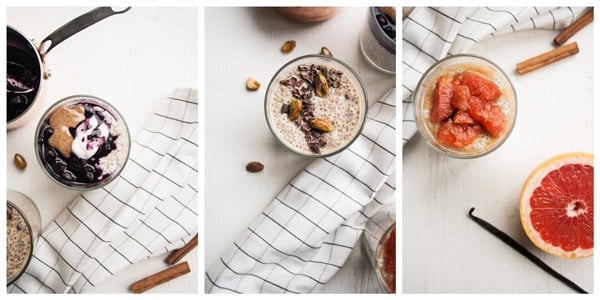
75,164
390,32
68,176
382,20
47,131
88,111
58,165
50,154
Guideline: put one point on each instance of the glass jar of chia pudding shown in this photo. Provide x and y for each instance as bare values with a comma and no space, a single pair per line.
315,105
23,223
82,142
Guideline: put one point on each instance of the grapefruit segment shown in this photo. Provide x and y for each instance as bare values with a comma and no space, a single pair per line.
457,135
557,205
488,114
480,86
461,97
441,108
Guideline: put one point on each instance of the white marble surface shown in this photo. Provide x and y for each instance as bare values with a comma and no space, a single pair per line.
443,250
244,42
132,60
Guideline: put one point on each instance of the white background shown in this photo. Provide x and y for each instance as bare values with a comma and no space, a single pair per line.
443,250
132,60
244,42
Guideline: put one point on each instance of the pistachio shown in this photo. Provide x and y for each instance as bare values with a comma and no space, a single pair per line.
254,167
321,85
325,51
321,124
252,84
20,161
295,108
288,46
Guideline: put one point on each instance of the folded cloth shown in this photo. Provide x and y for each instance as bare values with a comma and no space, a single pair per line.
149,209
429,34
307,232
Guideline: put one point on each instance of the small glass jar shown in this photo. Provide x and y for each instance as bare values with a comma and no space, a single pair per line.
88,170
378,41
347,118
457,64
379,240
23,224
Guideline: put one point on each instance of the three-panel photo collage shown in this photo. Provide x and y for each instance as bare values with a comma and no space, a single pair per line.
220,148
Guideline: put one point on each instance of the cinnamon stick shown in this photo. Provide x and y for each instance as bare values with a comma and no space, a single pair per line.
547,58
178,254
161,277
568,32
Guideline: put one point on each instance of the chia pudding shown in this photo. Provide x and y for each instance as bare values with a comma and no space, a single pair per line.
465,106
82,142
19,242
315,106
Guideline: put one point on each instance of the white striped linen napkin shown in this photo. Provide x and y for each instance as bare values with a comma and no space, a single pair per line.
307,232
149,209
429,34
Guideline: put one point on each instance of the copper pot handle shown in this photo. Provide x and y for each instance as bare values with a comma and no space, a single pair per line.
76,25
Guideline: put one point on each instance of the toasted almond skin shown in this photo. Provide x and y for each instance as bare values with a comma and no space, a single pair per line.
254,167
288,46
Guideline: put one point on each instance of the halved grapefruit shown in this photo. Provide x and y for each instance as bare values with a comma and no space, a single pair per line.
557,205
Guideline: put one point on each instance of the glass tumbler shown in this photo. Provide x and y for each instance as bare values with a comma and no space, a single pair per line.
23,224
379,239
378,40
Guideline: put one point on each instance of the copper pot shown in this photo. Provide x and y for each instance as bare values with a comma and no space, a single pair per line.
25,65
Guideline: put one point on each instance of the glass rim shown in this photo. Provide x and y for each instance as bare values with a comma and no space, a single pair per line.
447,150
112,110
362,91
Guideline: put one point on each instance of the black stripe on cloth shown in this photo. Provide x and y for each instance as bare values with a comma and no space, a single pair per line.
408,120
292,255
172,220
482,22
391,187
86,226
536,10
101,212
380,146
189,141
65,261
370,163
16,284
167,178
289,232
351,175
381,122
311,196
533,22
158,132
300,213
193,189
407,88
176,119
79,247
214,284
553,20
254,275
354,228
53,269
466,37
40,281
141,166
184,205
182,162
148,147
445,15
123,202
431,31
334,187
412,68
183,100
158,232
277,264
420,50
138,242
338,245
572,14
120,254
505,11
385,103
